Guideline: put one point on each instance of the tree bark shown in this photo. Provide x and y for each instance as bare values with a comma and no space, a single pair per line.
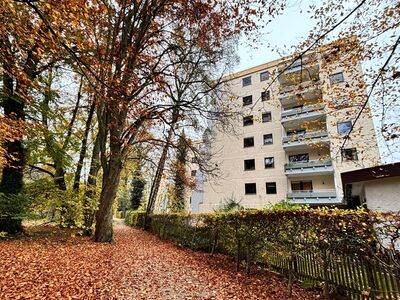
88,210
82,153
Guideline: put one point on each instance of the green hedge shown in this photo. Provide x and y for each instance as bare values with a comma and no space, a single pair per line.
318,244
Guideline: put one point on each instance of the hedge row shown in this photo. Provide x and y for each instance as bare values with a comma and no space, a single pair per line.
284,238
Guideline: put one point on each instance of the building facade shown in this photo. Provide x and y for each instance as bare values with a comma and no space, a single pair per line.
289,138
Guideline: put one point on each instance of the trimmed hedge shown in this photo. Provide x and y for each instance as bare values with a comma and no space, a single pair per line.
292,240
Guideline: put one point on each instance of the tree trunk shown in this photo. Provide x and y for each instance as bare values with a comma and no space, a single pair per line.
104,216
90,193
82,153
12,178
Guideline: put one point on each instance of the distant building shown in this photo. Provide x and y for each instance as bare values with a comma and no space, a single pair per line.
290,133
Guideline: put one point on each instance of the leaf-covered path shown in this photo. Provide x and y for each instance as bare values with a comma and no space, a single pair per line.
138,266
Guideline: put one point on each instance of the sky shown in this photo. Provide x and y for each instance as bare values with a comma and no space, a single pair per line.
290,28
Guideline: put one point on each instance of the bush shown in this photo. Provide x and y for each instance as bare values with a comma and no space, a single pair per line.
12,211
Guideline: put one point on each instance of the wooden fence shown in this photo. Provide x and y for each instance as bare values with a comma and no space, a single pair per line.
353,276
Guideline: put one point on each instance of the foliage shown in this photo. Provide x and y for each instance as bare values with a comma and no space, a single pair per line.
260,236
12,211
46,200
230,204
138,184
177,201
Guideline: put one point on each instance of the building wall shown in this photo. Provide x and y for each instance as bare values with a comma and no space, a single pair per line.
229,154
383,194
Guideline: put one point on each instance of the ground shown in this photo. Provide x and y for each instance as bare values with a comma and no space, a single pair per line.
138,266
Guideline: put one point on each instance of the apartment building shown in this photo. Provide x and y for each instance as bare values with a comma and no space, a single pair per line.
293,118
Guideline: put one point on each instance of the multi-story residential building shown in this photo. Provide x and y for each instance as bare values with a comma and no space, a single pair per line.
292,120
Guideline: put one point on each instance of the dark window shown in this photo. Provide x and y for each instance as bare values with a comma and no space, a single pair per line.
265,95
349,154
248,142
266,117
299,157
248,121
194,159
247,100
264,76
344,127
249,164
270,187
193,173
246,81
269,162
336,78
302,186
250,188
268,139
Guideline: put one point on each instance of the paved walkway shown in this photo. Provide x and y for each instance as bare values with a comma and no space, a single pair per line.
138,266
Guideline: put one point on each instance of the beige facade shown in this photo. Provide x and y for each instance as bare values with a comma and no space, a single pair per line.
308,111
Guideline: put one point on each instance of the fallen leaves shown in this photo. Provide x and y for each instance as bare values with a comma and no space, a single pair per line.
138,266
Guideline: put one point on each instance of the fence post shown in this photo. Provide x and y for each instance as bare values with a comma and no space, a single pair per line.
325,264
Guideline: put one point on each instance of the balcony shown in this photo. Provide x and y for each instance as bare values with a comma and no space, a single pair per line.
298,75
321,197
312,167
310,111
303,139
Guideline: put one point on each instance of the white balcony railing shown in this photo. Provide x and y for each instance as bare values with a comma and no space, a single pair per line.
302,111
318,197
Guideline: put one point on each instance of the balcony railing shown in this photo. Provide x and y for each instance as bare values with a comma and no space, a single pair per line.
299,87
303,111
314,197
312,164
305,136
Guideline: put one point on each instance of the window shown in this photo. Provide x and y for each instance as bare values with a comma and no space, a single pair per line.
302,186
247,121
246,81
336,78
250,188
270,187
341,102
296,133
247,100
248,142
268,139
249,164
194,159
266,117
349,154
264,76
193,173
269,162
344,127
299,157
265,95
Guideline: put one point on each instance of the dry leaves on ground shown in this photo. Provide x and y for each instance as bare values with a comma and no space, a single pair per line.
137,266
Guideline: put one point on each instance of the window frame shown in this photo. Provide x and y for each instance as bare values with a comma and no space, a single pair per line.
274,187
273,162
248,185
354,154
244,81
249,118
344,122
262,74
332,77
246,103
266,113
248,138
272,139
253,165
266,95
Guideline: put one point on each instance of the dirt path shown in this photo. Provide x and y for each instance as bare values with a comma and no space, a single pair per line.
138,266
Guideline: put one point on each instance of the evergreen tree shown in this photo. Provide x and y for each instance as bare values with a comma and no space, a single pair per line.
138,184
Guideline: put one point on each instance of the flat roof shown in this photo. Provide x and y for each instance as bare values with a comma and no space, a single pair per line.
374,173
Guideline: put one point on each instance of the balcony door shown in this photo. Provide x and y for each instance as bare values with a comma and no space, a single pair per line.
302,186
